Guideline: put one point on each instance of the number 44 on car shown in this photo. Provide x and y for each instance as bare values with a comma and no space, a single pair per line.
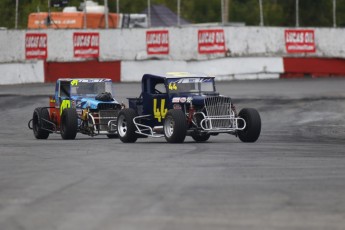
178,104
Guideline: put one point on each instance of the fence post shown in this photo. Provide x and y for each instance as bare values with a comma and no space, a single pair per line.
334,13
261,13
148,13
297,13
178,12
106,13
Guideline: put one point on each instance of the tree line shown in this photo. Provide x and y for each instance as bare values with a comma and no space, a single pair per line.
312,13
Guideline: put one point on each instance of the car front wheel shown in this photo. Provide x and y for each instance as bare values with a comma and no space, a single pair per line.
69,124
175,126
200,137
252,130
126,127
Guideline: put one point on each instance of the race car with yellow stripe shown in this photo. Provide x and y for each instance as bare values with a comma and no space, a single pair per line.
83,106
179,104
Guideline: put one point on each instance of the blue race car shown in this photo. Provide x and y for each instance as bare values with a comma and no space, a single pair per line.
178,104
79,106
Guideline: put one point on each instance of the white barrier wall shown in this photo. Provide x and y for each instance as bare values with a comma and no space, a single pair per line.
12,46
18,73
240,68
248,52
130,44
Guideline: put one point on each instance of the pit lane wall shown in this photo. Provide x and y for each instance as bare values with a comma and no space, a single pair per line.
126,54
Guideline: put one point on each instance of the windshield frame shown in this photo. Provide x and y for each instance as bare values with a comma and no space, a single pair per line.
174,83
108,87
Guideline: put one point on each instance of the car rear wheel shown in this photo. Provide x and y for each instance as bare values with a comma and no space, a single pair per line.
39,124
69,124
126,127
252,130
112,136
175,126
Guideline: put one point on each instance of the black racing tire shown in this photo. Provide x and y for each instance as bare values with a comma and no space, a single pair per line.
200,137
39,126
126,127
69,124
253,125
175,126
112,136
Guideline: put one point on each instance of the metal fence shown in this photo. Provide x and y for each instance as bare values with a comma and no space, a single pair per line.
259,7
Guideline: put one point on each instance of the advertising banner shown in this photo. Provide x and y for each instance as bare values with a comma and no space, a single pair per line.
36,46
157,42
86,45
211,41
300,41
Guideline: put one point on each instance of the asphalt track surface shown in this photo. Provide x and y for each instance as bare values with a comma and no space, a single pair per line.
292,178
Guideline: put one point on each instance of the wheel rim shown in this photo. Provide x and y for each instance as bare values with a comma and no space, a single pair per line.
122,126
169,126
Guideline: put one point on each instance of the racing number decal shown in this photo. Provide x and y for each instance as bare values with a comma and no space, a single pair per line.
74,82
159,113
64,105
172,86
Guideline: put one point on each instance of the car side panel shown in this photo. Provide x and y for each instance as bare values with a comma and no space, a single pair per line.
155,105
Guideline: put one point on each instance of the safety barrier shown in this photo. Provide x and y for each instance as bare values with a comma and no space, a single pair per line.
227,52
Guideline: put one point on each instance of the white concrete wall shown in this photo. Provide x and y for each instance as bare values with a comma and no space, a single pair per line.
130,44
255,52
223,69
18,73
12,45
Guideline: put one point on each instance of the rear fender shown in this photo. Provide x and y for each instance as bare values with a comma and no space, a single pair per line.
54,112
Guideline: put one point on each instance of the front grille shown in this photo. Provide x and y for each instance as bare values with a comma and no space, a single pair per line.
104,106
218,112
105,116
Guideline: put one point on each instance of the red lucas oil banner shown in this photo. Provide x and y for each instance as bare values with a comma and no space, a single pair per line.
300,41
36,46
86,45
211,41
157,42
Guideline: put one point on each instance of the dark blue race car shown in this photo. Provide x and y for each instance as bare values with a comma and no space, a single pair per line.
178,104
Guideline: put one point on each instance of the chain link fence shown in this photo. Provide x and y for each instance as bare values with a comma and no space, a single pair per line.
282,13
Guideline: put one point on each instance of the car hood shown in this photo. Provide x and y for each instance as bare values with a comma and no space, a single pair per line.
92,103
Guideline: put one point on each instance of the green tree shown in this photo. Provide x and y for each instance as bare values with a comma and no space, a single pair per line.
7,13
246,11
273,13
316,13
341,13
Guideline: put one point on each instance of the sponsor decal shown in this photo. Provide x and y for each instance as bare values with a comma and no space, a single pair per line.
157,42
36,46
183,99
86,45
211,41
76,81
189,99
176,100
300,41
